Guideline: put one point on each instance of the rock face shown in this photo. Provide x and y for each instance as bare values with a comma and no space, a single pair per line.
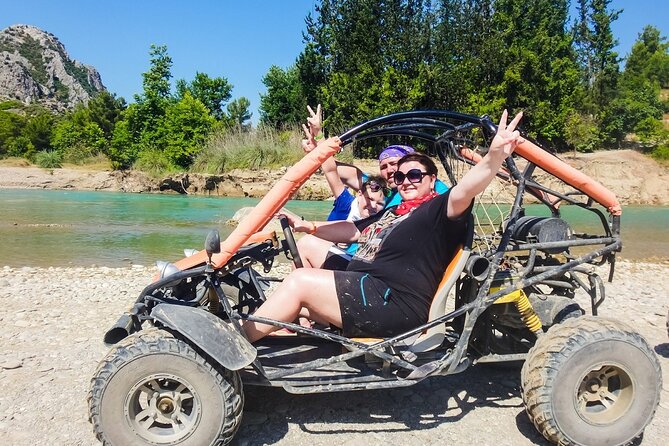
35,68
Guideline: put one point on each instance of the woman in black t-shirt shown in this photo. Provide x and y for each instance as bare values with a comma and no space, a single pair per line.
389,285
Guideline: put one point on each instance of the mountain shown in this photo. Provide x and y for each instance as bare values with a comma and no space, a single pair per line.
35,68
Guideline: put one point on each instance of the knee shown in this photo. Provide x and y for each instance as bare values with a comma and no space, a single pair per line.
306,244
295,284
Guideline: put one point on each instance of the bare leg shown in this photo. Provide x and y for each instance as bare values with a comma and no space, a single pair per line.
311,289
313,250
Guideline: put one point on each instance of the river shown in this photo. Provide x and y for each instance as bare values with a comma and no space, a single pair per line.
80,228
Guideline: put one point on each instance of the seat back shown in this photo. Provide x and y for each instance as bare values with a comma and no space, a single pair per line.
433,337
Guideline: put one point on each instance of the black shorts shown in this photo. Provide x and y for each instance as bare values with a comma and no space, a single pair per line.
368,307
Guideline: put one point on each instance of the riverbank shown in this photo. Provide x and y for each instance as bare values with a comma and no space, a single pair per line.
634,178
54,320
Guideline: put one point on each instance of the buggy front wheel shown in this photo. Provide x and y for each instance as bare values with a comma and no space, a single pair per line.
591,381
154,389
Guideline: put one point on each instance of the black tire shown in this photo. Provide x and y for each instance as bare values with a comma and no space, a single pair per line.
591,381
154,389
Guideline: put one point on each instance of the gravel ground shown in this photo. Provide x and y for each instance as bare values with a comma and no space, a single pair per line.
53,321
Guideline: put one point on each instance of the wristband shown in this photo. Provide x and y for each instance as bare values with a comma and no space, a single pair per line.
319,137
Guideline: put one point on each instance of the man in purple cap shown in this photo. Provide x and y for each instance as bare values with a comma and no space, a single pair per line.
389,157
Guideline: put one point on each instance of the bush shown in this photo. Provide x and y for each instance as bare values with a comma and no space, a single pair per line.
49,159
661,152
154,163
21,146
262,148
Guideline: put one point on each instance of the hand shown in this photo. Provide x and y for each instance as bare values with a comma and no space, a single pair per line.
507,137
315,120
298,224
309,143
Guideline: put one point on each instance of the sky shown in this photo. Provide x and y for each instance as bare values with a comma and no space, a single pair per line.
235,39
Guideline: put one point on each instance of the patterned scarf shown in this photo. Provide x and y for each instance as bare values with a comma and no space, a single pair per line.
407,206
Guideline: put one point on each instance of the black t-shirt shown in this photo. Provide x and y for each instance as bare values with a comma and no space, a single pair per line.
409,253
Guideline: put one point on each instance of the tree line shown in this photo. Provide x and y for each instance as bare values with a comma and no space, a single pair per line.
366,58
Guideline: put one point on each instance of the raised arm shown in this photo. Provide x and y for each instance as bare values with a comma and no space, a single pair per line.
477,179
350,175
314,132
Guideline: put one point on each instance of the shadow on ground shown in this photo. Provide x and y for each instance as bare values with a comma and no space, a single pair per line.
424,406
662,350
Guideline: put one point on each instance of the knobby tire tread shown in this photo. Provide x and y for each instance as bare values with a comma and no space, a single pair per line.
154,340
551,350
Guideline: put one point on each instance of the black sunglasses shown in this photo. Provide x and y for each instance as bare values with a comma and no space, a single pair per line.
414,176
375,187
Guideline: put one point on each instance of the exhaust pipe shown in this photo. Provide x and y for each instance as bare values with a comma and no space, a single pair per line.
477,267
122,329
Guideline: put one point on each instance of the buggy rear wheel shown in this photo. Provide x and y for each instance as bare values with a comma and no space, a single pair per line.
154,389
591,381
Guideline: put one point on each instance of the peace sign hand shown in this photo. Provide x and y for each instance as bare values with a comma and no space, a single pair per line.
315,120
507,137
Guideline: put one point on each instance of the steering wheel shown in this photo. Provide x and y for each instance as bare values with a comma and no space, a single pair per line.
290,242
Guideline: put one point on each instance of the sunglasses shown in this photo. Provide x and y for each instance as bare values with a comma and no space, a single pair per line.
373,186
414,176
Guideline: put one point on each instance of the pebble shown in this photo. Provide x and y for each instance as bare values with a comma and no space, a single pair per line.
10,364
50,356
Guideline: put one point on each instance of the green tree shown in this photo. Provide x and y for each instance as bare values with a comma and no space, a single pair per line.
239,113
648,60
123,148
141,125
284,104
105,110
38,130
153,102
212,92
87,130
540,74
11,127
187,124
600,65
78,141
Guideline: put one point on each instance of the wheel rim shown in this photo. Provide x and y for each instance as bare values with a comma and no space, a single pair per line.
604,395
162,408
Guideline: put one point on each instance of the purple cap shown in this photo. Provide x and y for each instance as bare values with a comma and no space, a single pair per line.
397,150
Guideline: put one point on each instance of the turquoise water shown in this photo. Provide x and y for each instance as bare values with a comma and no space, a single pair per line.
77,228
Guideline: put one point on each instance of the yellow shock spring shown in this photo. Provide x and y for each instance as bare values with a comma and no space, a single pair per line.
527,313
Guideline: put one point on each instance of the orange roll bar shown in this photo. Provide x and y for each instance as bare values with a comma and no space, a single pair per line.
570,175
276,198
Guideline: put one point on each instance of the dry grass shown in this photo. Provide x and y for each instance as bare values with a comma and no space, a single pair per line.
15,162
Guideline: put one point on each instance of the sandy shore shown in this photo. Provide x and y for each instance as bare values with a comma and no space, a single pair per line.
53,320
634,178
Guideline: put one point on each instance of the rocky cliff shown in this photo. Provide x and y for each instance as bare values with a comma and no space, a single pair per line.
35,68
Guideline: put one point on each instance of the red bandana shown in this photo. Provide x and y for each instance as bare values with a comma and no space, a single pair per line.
407,206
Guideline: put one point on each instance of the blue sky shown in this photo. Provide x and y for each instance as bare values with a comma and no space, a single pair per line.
238,40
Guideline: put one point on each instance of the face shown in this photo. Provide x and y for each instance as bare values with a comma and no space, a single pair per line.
387,168
411,191
370,202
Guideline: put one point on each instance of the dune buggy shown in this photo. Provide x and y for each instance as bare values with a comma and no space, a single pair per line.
180,359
